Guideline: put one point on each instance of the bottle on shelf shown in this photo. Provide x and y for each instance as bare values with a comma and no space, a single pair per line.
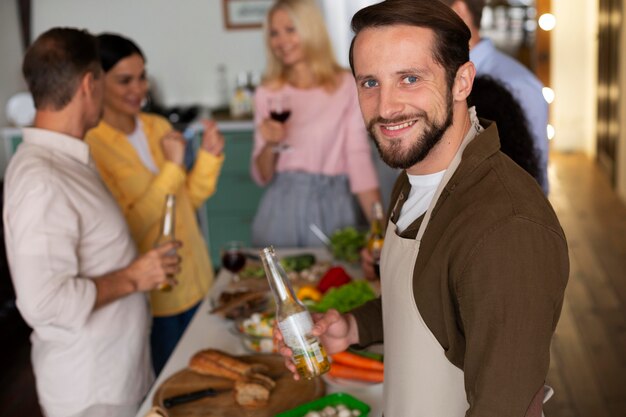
167,231
241,101
376,236
294,320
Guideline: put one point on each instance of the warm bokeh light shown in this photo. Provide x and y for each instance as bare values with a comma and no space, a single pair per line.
547,21
548,94
550,130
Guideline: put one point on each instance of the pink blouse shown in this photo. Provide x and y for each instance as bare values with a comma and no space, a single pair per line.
325,133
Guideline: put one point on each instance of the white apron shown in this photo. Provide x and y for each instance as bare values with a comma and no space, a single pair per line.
419,380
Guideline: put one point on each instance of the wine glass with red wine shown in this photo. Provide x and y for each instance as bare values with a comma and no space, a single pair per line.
280,110
233,258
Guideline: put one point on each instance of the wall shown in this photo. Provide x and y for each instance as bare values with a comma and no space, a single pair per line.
10,65
338,16
621,145
183,41
574,75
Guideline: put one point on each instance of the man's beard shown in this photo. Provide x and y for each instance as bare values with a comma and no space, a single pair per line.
393,156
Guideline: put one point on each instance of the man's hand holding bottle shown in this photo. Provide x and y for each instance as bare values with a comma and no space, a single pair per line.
335,331
155,267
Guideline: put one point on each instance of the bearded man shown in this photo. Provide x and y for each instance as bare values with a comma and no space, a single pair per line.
475,262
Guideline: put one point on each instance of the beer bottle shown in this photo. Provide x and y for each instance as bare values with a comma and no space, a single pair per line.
294,320
167,232
376,236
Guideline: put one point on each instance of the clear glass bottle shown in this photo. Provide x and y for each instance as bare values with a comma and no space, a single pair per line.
376,236
294,320
167,231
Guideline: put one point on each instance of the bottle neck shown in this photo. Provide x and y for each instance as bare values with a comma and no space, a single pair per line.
277,278
376,226
169,216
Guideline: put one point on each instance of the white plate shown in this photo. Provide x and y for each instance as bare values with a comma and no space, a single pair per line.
347,383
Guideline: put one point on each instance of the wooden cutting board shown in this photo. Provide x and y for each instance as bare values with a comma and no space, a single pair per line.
286,395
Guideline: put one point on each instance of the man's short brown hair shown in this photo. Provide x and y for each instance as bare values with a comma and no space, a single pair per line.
451,46
55,63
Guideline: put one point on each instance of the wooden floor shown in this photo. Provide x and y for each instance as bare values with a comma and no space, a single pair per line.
588,369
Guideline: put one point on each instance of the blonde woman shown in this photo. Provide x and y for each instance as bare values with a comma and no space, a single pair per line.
316,161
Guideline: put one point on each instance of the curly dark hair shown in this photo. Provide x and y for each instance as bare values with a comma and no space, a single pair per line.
495,102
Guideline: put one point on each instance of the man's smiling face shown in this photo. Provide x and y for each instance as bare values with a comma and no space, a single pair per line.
403,93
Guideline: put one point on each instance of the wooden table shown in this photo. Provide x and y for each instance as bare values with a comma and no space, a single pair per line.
207,330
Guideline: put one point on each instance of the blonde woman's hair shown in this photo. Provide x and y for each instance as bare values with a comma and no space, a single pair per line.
318,51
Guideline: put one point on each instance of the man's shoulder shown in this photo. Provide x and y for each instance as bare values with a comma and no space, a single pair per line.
502,189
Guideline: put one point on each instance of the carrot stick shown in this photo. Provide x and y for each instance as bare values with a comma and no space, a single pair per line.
338,370
357,361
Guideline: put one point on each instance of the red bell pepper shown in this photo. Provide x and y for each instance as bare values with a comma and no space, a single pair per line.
334,277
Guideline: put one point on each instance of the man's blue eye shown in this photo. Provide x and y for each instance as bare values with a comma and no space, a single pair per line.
411,79
369,84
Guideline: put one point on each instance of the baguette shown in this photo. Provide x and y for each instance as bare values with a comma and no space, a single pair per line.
218,363
251,389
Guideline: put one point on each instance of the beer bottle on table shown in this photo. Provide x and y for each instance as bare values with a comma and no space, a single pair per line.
376,236
294,320
167,232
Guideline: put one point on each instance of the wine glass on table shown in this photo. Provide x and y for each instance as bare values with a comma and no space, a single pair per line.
280,110
233,258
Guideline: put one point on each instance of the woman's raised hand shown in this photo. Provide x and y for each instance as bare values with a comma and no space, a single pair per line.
173,145
272,131
212,139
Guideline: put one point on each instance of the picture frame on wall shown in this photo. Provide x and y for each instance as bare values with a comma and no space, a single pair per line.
245,14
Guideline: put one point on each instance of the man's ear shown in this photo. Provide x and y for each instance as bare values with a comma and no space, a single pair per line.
87,83
463,81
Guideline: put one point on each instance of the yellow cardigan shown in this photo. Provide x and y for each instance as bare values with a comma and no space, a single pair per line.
141,194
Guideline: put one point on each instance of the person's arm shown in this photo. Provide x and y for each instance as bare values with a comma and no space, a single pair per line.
42,228
265,162
144,274
509,299
202,179
267,134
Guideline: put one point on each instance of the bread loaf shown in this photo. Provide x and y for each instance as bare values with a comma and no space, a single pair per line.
218,363
251,394
252,388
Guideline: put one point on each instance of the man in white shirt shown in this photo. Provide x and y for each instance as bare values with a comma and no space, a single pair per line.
72,260
522,83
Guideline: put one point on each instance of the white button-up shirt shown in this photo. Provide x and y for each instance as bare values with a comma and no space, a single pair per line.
62,228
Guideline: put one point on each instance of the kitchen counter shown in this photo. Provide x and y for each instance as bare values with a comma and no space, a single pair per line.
234,125
212,331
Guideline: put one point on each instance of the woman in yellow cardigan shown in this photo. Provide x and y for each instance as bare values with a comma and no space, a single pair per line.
141,159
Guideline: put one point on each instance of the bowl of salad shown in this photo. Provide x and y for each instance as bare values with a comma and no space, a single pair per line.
256,332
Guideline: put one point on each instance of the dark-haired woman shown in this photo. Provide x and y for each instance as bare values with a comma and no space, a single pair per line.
141,159
493,101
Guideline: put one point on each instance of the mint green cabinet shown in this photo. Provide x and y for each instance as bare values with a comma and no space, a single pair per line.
227,214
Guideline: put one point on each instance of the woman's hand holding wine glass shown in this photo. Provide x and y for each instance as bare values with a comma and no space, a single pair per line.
279,111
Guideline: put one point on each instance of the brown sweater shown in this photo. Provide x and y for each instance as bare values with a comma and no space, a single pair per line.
489,279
